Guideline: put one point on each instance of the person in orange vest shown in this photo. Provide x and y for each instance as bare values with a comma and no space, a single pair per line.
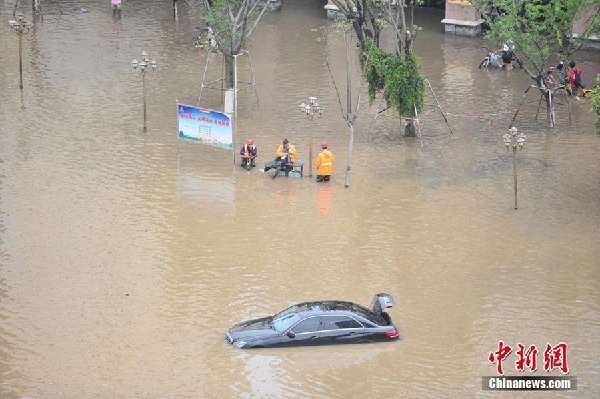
249,152
115,5
324,163
286,148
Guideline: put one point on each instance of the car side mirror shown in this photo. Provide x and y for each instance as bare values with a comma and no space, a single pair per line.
291,334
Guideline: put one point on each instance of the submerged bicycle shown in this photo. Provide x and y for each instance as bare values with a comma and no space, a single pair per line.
491,59
494,60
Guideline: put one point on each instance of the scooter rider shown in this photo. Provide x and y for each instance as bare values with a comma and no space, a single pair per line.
249,152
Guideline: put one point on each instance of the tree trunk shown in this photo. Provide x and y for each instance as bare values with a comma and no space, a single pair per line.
410,128
349,116
229,85
550,115
350,147
547,94
400,21
36,7
229,71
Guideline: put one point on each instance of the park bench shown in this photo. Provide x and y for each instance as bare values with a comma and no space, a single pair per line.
297,168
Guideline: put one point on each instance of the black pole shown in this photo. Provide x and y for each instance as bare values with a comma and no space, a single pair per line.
520,105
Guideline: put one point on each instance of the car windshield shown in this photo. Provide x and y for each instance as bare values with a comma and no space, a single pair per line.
285,319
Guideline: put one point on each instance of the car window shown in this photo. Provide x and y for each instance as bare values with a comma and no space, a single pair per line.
368,324
285,319
285,322
285,312
309,325
337,322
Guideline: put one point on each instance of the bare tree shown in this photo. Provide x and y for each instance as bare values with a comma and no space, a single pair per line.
231,22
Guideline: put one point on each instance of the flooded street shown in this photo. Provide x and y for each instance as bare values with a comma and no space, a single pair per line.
125,256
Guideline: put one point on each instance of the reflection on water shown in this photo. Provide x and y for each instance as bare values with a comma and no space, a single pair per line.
209,194
125,256
325,199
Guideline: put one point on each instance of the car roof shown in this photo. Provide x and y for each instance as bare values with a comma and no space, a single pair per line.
323,307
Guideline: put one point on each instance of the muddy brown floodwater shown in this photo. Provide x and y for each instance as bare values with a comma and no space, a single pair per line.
125,256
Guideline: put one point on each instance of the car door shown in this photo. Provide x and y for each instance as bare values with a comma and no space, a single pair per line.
341,329
374,332
305,332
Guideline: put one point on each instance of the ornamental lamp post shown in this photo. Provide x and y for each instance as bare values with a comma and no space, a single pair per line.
311,109
19,27
516,142
143,68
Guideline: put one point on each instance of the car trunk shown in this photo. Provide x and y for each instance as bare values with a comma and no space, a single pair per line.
380,302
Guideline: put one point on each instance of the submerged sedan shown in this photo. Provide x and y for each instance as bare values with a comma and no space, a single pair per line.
318,323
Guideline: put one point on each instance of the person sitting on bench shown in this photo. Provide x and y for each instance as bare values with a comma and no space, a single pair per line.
285,155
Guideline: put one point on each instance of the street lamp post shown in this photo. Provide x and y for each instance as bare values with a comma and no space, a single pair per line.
19,27
143,68
311,109
516,142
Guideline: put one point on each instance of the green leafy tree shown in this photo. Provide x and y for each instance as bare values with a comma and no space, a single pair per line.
398,78
596,102
396,75
539,29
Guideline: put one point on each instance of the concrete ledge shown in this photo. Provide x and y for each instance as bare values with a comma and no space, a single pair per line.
333,12
275,5
592,44
462,28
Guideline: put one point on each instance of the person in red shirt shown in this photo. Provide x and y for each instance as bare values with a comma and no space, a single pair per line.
574,79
